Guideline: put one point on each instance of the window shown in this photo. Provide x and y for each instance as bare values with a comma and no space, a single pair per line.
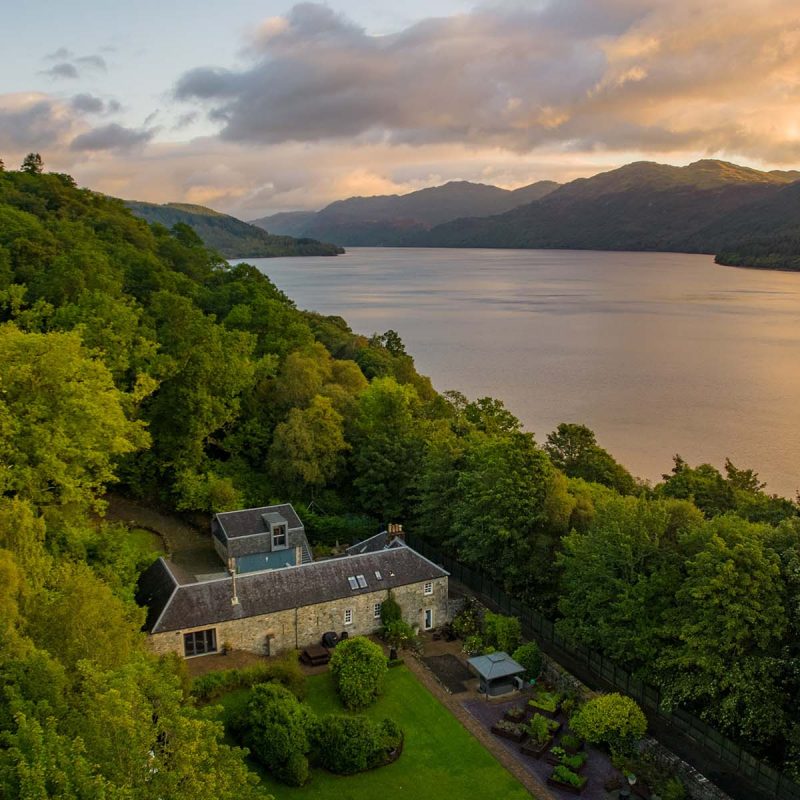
377,610
378,575
278,536
199,643
428,588
362,581
348,616
353,583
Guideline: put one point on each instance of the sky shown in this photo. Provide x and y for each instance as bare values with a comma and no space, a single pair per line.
256,107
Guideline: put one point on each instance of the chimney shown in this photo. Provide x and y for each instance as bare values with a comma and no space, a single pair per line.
232,570
395,531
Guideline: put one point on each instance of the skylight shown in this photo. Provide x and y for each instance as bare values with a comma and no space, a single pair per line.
353,583
378,575
362,581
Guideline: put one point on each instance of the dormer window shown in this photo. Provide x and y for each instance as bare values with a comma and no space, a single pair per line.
279,540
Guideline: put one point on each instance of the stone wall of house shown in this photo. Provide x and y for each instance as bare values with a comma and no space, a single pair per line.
297,628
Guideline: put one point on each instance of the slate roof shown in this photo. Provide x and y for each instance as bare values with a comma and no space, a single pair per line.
207,603
495,665
250,520
371,545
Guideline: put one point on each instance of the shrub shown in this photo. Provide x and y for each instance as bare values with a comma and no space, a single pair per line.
611,719
390,611
346,745
473,645
357,667
673,789
573,762
286,671
509,726
503,633
278,729
469,621
571,742
529,656
397,633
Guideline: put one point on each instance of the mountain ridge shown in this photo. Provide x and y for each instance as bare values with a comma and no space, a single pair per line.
232,237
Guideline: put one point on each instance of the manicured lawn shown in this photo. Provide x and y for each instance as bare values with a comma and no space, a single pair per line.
440,759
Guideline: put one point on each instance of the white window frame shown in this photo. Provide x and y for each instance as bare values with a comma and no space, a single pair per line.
428,589
348,616
425,616
376,610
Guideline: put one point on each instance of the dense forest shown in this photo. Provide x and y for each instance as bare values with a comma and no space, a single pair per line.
133,355
230,236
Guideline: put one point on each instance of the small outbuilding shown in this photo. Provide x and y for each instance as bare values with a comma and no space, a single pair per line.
498,673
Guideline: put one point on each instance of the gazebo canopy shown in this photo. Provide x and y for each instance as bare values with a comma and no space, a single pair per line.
494,666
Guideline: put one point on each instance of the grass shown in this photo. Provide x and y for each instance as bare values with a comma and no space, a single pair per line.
144,541
440,758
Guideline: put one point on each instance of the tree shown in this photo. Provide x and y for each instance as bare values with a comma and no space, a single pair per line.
32,164
77,617
357,668
386,444
307,448
611,719
2,166
619,578
62,421
574,449
278,729
703,485
724,632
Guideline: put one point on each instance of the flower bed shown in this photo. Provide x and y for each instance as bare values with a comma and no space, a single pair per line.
508,730
516,714
545,702
564,778
532,748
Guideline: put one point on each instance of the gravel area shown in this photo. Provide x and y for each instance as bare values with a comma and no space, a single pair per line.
597,768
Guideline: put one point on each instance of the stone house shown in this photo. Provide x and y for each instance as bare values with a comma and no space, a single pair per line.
260,538
288,607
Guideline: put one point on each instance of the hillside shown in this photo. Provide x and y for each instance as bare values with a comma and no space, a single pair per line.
230,236
765,234
641,206
397,219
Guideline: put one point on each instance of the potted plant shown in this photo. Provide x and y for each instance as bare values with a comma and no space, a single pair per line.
564,778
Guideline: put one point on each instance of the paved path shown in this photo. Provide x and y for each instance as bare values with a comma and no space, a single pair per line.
480,732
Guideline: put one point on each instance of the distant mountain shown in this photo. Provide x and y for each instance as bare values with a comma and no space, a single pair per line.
230,236
398,219
641,206
764,234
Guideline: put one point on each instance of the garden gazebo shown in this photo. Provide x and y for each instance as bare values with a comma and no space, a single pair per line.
498,673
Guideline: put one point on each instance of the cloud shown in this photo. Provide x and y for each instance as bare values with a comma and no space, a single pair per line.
62,70
71,66
33,121
594,74
111,137
93,62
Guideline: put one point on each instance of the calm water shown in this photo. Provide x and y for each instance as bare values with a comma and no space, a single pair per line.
658,353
